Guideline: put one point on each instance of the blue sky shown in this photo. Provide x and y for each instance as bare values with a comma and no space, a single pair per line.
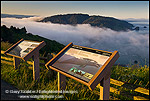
117,9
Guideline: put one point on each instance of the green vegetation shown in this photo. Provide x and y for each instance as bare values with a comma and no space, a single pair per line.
137,76
5,45
98,21
23,79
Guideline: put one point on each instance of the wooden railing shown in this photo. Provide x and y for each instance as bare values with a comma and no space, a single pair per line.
139,90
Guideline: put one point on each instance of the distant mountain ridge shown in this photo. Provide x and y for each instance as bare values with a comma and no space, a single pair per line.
15,16
136,20
98,21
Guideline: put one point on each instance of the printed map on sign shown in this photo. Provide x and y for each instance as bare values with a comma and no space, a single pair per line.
24,48
81,64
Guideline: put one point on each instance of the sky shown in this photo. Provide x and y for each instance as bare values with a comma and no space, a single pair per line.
117,9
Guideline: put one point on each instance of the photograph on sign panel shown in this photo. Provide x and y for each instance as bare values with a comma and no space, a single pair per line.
81,64
24,48
28,50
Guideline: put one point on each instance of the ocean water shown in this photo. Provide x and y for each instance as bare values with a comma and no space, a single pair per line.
142,59
141,26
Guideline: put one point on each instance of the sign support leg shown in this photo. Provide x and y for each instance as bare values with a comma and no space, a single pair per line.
61,82
16,62
36,67
105,88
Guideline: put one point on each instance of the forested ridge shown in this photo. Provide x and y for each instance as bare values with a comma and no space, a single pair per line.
98,21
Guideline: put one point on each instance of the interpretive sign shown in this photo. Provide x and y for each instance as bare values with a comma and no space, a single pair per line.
86,65
25,49
80,63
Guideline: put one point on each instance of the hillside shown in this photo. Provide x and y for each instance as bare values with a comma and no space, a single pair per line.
98,21
13,34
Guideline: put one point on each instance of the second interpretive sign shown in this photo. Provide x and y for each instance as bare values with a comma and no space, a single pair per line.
24,49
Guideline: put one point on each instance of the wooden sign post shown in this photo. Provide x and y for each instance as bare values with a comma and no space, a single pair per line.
25,49
86,65
105,88
36,66
16,62
61,82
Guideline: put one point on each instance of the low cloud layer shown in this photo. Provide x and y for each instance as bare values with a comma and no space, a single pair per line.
131,45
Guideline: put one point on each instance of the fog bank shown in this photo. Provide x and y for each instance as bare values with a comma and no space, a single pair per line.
131,45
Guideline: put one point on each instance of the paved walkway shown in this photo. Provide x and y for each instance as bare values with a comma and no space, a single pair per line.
6,88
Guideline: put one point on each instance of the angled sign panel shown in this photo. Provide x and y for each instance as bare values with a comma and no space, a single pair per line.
83,64
24,49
